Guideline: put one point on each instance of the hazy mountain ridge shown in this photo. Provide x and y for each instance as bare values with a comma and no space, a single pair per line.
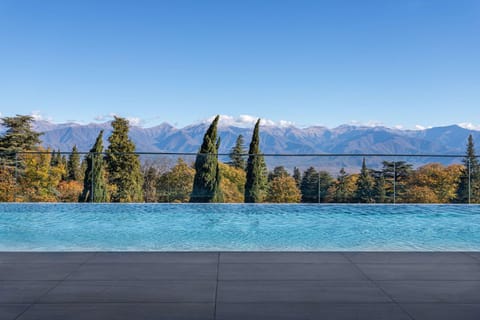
274,139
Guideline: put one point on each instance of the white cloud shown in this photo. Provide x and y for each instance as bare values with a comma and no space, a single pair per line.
469,126
420,127
105,117
135,121
247,121
37,116
369,123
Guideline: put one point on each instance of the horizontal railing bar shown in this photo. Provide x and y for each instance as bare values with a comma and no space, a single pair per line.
258,154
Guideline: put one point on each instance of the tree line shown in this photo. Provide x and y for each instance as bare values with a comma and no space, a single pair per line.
116,174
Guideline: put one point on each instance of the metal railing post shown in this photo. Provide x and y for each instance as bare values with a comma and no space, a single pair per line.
16,178
319,188
92,194
394,182
469,181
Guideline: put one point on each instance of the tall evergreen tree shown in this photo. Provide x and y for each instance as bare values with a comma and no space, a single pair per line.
54,159
73,165
365,185
341,192
297,175
123,165
309,187
278,172
19,136
256,181
57,159
396,173
94,182
206,183
469,185
237,159
325,183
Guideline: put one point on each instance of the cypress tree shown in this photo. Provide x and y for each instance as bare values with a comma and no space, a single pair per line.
206,183
94,182
470,175
123,165
256,181
73,165
364,193
236,155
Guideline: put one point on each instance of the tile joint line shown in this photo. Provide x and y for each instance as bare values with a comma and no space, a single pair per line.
377,286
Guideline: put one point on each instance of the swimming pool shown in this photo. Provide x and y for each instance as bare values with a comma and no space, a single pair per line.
238,227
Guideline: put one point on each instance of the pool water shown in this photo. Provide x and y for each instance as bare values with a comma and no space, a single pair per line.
238,227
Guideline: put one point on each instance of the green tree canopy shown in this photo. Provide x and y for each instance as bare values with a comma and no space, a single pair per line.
277,172
469,187
256,180
73,165
343,189
237,158
206,183
123,165
19,136
365,186
309,186
94,181
396,175
176,184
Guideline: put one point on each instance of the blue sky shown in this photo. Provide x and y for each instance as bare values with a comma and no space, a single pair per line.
408,62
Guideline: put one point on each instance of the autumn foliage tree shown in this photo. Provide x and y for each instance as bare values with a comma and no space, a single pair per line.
40,179
232,183
283,189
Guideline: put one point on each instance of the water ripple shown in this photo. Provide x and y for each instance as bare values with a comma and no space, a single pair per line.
238,227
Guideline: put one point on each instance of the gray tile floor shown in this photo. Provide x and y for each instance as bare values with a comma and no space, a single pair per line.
240,285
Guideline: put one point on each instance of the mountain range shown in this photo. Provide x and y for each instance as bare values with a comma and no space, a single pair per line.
275,139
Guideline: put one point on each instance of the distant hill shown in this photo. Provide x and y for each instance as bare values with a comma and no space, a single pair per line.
277,140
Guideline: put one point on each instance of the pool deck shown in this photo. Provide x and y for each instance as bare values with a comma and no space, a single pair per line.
240,285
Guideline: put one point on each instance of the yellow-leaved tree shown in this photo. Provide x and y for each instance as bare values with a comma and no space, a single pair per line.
283,189
232,183
433,183
39,179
